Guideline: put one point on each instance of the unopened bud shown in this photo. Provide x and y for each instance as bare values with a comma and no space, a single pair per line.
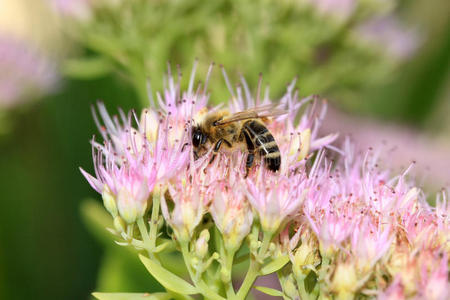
344,282
326,250
225,274
194,262
290,289
272,247
109,201
160,222
127,206
305,255
119,224
201,245
254,245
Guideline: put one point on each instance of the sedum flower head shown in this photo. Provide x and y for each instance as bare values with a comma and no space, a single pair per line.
349,223
232,214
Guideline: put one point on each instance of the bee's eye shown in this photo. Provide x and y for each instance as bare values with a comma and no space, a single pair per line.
196,138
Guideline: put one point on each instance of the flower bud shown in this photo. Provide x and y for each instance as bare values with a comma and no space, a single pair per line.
119,224
344,282
290,289
254,246
109,201
327,249
201,245
132,201
194,262
225,274
304,255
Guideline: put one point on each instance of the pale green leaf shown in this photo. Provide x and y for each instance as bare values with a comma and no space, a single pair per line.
269,291
131,296
275,265
97,219
169,280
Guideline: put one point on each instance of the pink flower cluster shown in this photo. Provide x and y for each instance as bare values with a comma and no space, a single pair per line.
359,229
27,73
381,228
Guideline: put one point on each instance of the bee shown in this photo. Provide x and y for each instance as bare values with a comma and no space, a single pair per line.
243,130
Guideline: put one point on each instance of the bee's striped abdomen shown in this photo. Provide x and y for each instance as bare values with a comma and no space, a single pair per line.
265,143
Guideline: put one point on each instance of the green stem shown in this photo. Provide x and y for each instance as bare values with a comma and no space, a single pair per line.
250,277
255,265
229,267
145,237
265,245
322,274
154,220
201,286
304,295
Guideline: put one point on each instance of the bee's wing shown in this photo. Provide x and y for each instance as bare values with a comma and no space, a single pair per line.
263,111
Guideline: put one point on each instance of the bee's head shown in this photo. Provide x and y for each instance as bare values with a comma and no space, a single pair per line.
198,137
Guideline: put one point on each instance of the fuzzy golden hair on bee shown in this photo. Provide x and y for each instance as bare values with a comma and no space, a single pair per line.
244,130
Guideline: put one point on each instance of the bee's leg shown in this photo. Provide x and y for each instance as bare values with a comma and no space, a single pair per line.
249,162
251,152
216,150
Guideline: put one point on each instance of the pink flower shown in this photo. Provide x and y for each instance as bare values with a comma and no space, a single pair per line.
190,196
78,9
370,243
276,197
133,160
26,73
435,285
362,229
340,9
396,41
231,213
394,292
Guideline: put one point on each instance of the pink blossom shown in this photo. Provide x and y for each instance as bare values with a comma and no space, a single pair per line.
394,292
26,72
276,197
396,40
231,213
79,9
340,9
435,285
190,196
374,230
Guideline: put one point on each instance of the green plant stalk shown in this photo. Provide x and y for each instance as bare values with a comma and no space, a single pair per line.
154,221
145,237
250,277
304,295
254,268
229,266
322,274
199,284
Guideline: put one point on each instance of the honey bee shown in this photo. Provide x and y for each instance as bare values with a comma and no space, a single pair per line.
244,130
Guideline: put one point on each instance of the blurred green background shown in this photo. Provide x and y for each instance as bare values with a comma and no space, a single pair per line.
47,249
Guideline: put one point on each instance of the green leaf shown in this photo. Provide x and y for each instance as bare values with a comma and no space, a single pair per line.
169,280
96,219
131,296
269,291
275,265
87,68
